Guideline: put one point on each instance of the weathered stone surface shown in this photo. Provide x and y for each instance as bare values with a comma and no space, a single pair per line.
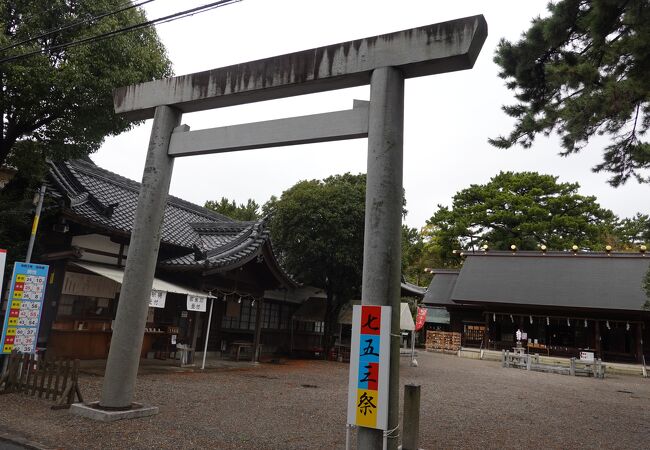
333,126
92,411
437,48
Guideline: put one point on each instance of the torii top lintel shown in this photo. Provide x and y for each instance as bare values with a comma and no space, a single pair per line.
438,48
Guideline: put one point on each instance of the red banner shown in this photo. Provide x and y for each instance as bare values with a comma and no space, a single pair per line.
420,318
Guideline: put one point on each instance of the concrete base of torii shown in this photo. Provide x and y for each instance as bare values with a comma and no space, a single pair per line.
96,412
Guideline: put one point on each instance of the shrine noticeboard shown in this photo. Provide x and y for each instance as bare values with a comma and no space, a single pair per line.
369,367
23,316
196,303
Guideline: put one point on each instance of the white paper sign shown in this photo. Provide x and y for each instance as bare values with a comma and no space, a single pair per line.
586,356
196,303
157,299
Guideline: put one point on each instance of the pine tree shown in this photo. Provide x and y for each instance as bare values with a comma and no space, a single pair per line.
581,72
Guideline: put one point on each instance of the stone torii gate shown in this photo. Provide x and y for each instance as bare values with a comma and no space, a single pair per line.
381,61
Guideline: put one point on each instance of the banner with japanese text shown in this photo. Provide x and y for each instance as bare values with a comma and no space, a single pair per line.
369,366
23,315
420,319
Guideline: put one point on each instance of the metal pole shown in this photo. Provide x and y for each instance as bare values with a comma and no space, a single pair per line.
382,243
411,417
413,347
207,334
124,354
37,216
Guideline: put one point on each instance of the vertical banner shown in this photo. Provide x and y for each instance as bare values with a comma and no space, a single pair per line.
420,319
369,367
23,316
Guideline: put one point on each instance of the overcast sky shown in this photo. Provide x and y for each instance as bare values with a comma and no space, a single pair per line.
448,118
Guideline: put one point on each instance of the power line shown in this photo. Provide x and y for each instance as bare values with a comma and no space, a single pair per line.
76,24
100,37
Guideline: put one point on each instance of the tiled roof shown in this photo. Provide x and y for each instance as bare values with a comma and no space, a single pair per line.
223,245
109,201
554,279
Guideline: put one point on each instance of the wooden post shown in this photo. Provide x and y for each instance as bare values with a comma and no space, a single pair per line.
486,335
411,417
258,331
195,334
597,338
639,343
572,367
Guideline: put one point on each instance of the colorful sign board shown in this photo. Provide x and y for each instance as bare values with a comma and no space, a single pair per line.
23,316
369,366
157,299
196,303
420,319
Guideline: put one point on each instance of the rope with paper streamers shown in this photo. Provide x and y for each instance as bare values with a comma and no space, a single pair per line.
223,295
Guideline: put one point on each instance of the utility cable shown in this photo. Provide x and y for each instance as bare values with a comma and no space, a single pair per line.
100,37
76,24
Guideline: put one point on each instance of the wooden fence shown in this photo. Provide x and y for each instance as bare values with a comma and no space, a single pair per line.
55,379
594,368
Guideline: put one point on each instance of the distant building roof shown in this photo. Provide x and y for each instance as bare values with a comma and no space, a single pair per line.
438,315
105,200
411,290
556,279
441,288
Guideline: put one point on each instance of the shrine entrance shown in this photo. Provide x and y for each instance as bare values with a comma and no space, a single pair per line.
384,62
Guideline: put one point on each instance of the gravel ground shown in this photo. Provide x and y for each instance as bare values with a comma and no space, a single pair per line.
301,405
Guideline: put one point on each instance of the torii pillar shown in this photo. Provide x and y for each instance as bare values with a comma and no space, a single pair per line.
381,61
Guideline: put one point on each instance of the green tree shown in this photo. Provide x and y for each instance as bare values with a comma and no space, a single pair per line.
583,71
229,208
317,229
525,209
634,231
59,103
421,250
413,254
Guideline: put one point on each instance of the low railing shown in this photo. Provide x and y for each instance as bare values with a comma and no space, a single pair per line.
596,368
56,379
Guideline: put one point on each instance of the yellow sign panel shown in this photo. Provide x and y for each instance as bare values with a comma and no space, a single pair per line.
21,278
16,304
11,331
18,294
8,348
12,322
367,408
